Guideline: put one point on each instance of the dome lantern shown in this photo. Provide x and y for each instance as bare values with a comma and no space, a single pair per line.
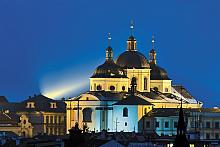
153,53
131,42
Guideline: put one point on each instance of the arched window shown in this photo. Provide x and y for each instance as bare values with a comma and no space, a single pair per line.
145,83
145,110
125,112
112,88
123,88
87,115
99,87
166,90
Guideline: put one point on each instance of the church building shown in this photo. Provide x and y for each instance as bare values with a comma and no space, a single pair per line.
124,90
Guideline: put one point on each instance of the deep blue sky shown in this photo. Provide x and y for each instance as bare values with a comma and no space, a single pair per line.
48,43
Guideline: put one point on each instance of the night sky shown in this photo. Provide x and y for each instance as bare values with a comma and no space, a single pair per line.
53,46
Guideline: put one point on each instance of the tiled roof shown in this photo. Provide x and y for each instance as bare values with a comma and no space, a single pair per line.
41,103
182,90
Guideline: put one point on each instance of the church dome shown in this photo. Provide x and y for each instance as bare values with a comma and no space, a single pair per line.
132,59
158,73
109,70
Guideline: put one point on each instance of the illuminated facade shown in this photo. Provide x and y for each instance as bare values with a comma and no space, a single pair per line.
34,116
101,107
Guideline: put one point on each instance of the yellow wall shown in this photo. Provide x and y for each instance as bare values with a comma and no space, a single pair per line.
139,74
161,85
105,83
141,110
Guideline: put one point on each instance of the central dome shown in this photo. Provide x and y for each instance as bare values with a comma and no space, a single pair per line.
109,70
132,59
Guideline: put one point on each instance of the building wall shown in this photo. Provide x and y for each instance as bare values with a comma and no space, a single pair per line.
139,74
105,83
119,120
16,129
101,113
163,86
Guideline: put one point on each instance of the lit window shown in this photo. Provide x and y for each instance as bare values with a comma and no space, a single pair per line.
53,105
145,83
30,105
125,112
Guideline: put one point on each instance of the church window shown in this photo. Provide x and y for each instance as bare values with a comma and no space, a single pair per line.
145,110
87,98
123,88
112,88
166,89
166,124
125,112
126,123
147,124
87,115
99,87
145,83
157,124
155,88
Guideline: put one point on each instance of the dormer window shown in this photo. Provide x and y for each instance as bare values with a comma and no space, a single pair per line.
53,105
30,105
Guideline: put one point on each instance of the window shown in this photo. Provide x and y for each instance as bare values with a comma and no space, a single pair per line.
55,119
216,136
145,83
47,119
94,86
51,119
145,110
30,105
207,124
217,125
175,124
207,136
123,88
103,115
59,119
166,89
99,87
87,115
53,105
125,112
157,124
166,124
126,124
112,88
147,124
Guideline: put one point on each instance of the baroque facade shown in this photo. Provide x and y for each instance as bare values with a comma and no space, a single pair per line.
110,104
